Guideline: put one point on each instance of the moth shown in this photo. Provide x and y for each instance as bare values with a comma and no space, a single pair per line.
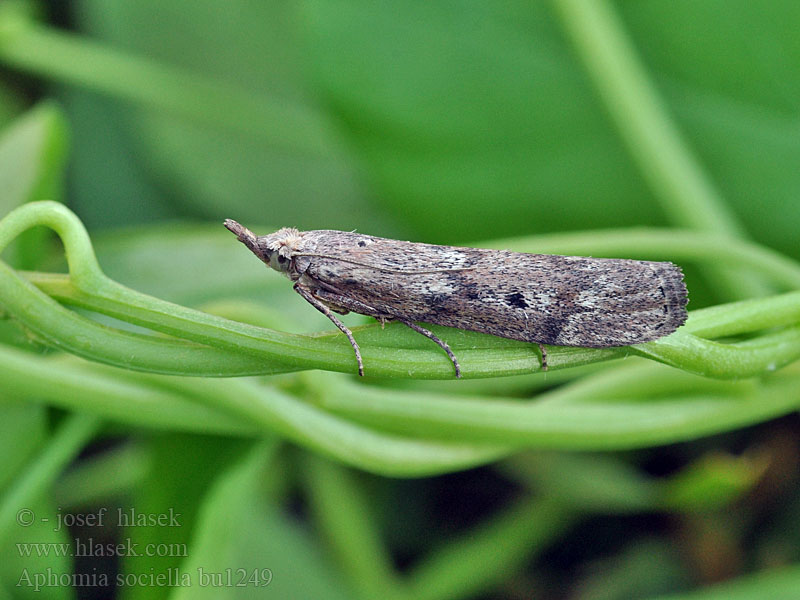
538,298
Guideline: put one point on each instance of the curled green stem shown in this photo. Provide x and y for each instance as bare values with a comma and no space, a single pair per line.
201,344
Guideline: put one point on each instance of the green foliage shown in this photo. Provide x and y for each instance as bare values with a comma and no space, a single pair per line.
188,366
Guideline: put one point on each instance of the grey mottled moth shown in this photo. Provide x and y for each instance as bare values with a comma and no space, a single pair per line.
539,298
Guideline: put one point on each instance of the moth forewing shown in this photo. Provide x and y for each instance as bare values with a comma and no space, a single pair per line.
539,298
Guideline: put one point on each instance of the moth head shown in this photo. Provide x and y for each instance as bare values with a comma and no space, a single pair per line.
275,249
278,248
279,259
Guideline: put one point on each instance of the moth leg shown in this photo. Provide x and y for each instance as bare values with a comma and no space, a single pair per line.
313,301
544,357
351,304
429,334
365,309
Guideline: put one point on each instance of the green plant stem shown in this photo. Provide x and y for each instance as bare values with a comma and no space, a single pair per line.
685,351
67,330
109,393
686,193
229,407
735,361
482,558
85,338
72,59
745,315
207,345
599,414
333,436
72,435
114,473
342,511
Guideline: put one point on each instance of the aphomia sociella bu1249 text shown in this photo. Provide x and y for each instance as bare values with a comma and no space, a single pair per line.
539,298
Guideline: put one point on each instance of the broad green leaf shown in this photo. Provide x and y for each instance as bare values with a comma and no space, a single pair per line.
249,175
32,156
183,468
32,159
241,535
483,111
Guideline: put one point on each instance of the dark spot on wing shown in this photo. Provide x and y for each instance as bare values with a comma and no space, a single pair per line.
362,243
469,289
516,299
436,299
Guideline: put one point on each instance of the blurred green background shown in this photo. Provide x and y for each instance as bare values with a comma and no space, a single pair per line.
444,122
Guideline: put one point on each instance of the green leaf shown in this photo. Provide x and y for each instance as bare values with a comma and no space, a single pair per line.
713,482
244,546
774,584
482,110
32,537
591,483
642,568
32,159
267,112
182,469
